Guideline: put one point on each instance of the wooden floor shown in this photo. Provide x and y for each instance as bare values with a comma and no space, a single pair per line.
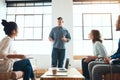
30,79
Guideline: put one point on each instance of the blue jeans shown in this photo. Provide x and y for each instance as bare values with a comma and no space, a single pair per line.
58,56
25,66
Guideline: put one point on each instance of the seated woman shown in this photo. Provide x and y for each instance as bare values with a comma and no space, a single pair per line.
96,69
11,30
98,49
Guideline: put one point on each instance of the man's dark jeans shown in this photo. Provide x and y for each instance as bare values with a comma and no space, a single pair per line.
58,56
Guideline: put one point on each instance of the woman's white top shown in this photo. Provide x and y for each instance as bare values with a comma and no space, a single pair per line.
99,50
6,45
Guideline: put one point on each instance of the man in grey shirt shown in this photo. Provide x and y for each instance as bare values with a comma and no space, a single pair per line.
59,36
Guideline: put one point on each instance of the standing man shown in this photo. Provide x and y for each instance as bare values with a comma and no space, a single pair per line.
59,36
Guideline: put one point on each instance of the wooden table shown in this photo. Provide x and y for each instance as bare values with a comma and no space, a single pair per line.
71,74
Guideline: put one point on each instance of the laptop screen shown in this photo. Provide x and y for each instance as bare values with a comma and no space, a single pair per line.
67,63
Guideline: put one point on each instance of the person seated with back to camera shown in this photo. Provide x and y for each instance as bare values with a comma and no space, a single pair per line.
6,48
98,50
97,69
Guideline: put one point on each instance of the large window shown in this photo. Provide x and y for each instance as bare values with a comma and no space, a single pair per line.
31,19
102,22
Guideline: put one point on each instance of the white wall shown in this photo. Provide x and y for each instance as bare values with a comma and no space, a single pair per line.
41,61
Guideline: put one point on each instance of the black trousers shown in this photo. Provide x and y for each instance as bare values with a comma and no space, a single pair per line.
85,68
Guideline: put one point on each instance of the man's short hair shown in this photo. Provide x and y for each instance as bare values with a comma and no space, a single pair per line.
59,18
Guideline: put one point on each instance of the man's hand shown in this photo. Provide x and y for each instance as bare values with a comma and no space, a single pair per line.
64,39
50,39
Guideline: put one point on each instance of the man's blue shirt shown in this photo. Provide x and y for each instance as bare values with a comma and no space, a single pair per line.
56,34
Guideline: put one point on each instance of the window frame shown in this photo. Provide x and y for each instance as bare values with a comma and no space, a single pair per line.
83,27
24,5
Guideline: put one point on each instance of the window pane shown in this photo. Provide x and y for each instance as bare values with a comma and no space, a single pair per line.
20,33
20,10
38,10
47,9
29,21
86,32
99,22
38,21
11,10
20,20
37,33
47,21
96,20
87,20
29,10
28,33
106,20
20,23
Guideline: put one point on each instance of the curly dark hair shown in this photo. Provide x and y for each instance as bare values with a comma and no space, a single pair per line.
9,27
96,36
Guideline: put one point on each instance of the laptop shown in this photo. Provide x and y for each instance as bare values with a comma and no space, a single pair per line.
65,67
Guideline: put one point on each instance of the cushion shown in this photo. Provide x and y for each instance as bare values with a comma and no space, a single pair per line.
17,74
